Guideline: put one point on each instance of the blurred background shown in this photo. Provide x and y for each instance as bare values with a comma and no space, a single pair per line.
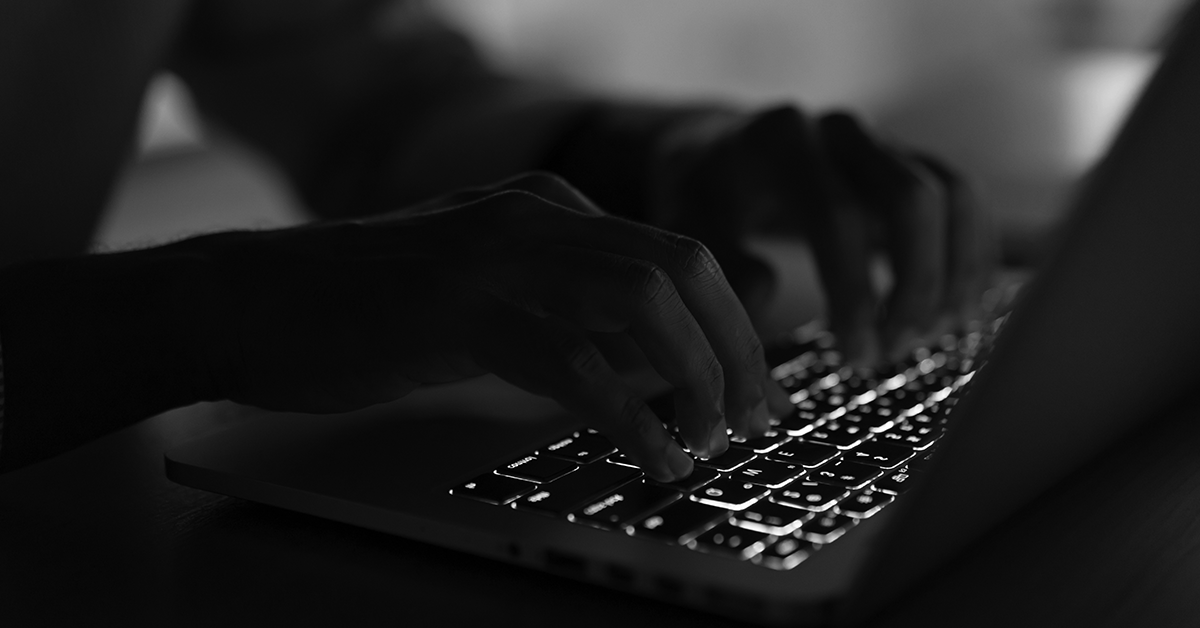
1022,94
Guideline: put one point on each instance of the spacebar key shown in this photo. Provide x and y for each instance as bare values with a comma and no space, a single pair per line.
574,489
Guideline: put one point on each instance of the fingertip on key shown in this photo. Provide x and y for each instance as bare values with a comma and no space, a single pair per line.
680,463
718,440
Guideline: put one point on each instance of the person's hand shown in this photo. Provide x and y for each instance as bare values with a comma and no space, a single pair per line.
721,176
510,280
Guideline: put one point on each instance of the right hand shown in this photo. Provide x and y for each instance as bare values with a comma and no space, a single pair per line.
510,280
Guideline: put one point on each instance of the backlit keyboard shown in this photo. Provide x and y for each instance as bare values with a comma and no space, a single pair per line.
853,444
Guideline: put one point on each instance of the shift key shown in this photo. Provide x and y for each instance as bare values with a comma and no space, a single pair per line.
575,489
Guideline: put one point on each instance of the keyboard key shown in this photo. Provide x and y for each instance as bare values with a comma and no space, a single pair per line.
898,410
627,503
729,493
785,554
928,418
826,527
804,453
798,381
536,469
839,434
824,404
896,482
769,473
731,541
762,444
767,516
493,489
571,491
809,495
912,435
798,423
879,454
880,416
699,477
581,447
864,418
908,396
855,389
680,522
864,503
728,461
621,459
843,473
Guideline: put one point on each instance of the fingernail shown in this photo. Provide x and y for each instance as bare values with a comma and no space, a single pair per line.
718,440
680,463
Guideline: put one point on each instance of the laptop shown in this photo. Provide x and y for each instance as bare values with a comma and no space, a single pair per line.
860,494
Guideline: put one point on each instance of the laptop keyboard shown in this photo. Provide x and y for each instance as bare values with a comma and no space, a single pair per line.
853,445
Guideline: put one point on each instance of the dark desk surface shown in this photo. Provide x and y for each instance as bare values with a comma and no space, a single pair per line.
99,535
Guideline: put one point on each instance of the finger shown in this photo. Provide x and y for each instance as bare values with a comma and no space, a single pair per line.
487,215
753,280
555,190
704,290
913,208
837,229
970,250
547,357
604,292
622,294
545,186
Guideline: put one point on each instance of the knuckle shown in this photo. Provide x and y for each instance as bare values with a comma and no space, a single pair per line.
537,180
693,259
650,283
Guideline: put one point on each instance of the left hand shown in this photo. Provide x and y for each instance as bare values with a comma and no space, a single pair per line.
719,177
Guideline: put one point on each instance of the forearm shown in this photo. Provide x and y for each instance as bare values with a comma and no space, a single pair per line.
95,343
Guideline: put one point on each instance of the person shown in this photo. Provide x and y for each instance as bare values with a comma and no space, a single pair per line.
556,216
